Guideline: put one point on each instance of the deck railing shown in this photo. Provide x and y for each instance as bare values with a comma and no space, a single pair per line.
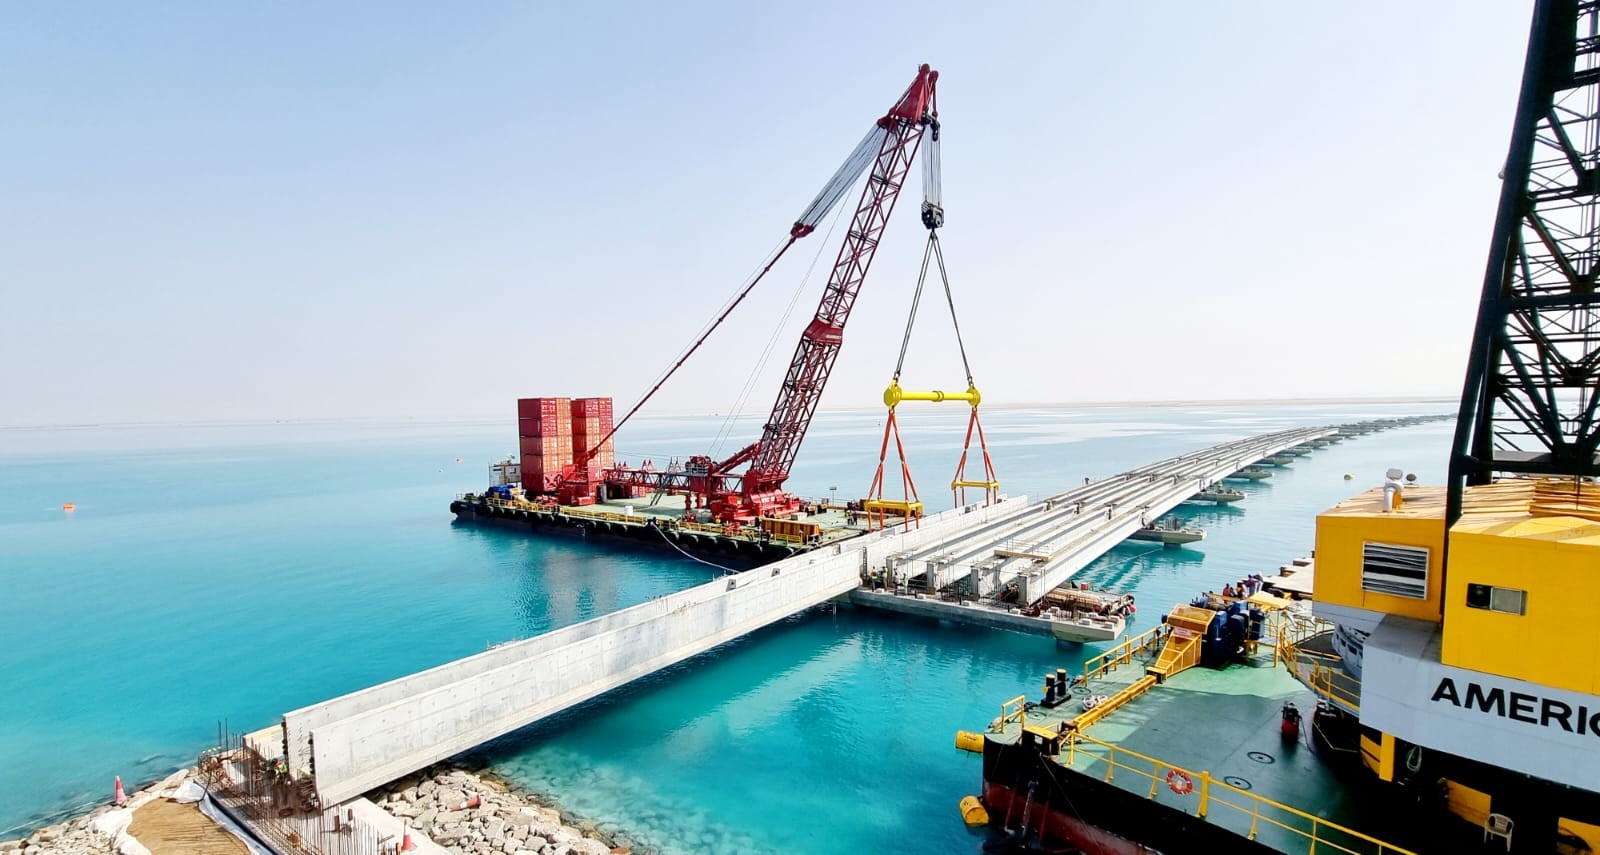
1122,654
1014,710
1214,797
1317,670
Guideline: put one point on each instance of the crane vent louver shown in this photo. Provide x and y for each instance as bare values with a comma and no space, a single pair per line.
1400,571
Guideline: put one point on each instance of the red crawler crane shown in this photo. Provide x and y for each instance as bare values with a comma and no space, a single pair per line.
888,149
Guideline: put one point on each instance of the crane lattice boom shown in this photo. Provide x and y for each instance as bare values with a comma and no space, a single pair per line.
901,131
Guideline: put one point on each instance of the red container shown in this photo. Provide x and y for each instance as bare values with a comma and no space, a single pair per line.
546,454
532,408
542,416
587,407
551,426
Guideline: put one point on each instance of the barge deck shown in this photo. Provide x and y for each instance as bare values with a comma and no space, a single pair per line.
1194,762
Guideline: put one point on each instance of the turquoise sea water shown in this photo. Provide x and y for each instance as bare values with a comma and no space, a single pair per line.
238,572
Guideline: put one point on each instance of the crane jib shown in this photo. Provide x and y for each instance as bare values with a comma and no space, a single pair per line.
824,332
814,355
888,150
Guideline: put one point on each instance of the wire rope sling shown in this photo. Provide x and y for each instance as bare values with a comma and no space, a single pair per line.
907,510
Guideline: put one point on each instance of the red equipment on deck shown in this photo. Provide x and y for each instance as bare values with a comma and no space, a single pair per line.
888,149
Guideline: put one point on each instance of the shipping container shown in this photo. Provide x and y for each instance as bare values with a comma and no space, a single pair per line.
545,465
545,426
545,446
586,407
532,408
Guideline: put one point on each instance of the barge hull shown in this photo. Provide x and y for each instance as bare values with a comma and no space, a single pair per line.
1100,818
747,552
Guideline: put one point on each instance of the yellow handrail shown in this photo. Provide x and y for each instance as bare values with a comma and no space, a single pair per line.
1122,654
1008,715
1214,793
1320,681
1318,676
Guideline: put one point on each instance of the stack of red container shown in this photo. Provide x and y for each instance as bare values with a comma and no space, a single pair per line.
545,427
591,421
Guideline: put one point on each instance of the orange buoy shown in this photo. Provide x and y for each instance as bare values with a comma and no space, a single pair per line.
69,507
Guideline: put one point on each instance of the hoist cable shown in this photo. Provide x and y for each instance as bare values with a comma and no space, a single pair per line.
933,240
916,298
729,423
709,329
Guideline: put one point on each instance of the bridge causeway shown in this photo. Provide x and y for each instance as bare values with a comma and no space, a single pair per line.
1040,547
354,743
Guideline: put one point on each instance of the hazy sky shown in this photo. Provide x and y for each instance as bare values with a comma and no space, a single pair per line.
254,210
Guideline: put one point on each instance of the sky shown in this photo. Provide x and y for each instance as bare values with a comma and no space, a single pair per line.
251,211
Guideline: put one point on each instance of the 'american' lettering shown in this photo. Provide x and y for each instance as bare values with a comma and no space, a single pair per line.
1520,706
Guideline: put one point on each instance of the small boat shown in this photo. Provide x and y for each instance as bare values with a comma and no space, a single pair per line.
1253,473
1217,495
1171,535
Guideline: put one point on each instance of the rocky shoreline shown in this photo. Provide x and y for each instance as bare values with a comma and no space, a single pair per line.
102,830
480,813
467,812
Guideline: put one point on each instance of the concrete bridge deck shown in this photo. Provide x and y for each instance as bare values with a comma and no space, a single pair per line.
356,742
1041,547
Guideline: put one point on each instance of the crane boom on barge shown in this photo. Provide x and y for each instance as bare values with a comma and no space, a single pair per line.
889,149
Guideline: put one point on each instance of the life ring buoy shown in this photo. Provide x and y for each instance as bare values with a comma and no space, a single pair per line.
1180,782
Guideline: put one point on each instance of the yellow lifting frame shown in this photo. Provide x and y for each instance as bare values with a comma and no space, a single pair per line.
911,507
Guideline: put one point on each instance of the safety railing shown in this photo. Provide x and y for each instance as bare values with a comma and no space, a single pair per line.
1323,680
1014,710
1122,654
1243,809
1319,671
1293,628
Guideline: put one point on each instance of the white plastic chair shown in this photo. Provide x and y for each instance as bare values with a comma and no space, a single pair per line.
1498,825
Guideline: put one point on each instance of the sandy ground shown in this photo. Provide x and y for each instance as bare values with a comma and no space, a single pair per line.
169,828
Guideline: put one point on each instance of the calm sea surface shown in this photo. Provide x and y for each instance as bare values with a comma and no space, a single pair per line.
213,573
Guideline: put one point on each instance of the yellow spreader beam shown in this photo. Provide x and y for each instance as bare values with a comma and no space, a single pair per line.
893,395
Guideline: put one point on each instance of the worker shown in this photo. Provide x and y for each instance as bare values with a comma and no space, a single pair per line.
1227,591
